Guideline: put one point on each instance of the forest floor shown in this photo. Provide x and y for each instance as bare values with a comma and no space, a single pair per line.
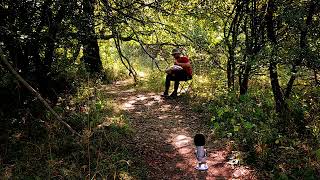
163,131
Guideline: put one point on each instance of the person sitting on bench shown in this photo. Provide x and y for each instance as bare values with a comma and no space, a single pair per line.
180,71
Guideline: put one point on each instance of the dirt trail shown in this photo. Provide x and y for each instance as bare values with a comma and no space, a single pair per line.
164,131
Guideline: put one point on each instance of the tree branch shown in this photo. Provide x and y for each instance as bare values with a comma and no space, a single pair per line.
144,49
35,93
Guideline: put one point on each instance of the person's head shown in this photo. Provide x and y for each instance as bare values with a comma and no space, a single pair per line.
176,53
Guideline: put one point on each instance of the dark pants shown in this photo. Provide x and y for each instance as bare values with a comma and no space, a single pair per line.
176,76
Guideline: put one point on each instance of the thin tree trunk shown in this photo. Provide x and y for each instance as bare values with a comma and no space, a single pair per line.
276,89
293,77
230,75
233,31
245,80
316,77
76,52
273,72
303,48
54,25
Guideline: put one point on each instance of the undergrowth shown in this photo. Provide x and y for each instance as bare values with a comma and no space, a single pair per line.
38,147
278,147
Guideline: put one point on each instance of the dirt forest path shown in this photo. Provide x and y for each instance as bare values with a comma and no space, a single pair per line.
163,137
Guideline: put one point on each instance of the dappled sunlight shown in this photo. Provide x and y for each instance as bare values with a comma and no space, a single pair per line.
104,124
183,144
218,166
150,103
108,121
129,90
178,117
162,117
142,74
164,133
165,108
202,79
129,105
123,91
147,100
141,97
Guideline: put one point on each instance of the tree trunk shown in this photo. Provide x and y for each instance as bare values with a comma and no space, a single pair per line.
316,77
232,44
230,70
294,72
54,25
91,56
273,72
245,80
303,47
276,89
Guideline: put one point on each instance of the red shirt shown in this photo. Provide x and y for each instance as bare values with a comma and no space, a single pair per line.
184,59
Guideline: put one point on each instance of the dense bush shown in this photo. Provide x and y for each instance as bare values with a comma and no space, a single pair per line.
287,150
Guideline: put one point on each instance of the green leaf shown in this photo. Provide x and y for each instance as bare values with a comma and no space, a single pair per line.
236,128
99,105
220,112
216,125
248,125
233,121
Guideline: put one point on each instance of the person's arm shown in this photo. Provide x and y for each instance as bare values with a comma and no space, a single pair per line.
183,65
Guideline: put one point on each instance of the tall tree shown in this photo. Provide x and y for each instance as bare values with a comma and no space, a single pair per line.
280,96
88,37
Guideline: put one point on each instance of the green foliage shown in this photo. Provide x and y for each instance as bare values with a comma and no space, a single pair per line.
242,117
153,81
67,51
250,121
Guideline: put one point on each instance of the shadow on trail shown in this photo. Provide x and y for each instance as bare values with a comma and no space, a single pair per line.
163,138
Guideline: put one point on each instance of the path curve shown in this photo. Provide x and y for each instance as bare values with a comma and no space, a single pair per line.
163,137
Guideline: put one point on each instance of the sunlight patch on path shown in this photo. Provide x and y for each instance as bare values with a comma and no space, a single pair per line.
164,134
140,99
